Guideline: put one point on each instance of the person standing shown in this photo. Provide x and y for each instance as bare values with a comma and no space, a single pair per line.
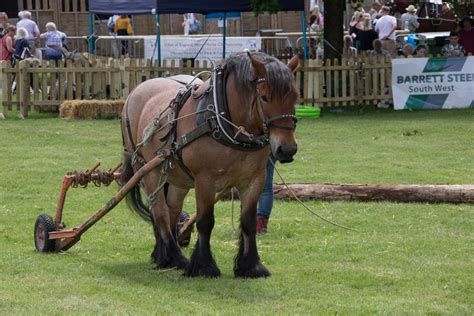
265,202
385,28
466,35
354,26
366,35
33,31
3,22
374,10
7,44
111,29
316,21
123,27
189,19
54,40
409,20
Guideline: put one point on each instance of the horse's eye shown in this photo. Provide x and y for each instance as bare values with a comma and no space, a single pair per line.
264,98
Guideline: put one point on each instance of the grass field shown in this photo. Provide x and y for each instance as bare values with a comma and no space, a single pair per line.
404,259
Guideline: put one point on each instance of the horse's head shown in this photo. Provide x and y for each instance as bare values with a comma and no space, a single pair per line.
276,96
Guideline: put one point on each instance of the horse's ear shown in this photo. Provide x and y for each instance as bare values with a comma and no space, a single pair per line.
294,62
258,66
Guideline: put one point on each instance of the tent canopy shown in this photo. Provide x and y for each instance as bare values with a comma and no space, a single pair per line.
209,6
183,6
121,6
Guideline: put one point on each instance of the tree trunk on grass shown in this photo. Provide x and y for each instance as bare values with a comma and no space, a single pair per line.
333,28
368,192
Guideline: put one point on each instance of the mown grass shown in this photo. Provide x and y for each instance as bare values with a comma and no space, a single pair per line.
404,259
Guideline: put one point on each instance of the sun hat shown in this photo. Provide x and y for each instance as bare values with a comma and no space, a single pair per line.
411,8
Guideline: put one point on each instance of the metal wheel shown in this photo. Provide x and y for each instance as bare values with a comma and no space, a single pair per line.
43,226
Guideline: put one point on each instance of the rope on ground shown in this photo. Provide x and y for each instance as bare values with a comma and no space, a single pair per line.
305,206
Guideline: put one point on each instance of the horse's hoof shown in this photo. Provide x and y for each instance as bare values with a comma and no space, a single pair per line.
195,270
178,262
259,271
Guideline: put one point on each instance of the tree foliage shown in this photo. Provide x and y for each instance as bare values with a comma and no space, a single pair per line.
261,6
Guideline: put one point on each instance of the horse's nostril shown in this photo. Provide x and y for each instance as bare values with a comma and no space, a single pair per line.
279,151
286,152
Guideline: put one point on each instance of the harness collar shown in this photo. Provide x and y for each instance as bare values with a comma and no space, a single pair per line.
225,131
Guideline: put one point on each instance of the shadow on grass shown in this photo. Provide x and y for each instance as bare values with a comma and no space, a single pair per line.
223,288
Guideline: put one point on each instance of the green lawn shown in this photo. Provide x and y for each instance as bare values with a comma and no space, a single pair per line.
404,259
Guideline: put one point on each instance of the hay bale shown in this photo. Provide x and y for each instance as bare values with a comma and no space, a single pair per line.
91,109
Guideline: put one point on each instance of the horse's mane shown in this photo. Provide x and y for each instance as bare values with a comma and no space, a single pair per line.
280,79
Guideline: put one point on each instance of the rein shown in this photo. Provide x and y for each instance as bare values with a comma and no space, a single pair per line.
305,206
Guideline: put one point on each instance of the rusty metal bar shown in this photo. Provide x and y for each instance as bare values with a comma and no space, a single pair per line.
73,178
72,236
67,182
89,171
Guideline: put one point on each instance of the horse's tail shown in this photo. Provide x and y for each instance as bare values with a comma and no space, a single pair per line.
134,198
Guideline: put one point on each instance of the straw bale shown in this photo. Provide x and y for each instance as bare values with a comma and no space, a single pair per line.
91,109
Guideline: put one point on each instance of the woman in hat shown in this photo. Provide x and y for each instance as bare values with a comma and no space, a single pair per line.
409,20
466,35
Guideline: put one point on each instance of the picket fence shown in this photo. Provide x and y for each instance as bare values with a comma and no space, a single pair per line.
45,85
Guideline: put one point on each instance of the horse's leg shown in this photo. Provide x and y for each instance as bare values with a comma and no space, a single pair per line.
202,263
166,253
174,199
247,262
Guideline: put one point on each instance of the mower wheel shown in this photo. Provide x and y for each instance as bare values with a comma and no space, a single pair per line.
43,226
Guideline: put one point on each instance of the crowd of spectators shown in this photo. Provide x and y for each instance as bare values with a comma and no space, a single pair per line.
369,33
375,33
23,40
461,41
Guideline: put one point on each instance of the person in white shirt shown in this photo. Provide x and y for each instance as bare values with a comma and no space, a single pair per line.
30,25
188,20
385,28
33,31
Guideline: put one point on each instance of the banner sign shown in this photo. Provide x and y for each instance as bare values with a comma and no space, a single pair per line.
433,83
205,48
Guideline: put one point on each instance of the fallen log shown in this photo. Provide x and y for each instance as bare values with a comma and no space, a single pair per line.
421,193
381,192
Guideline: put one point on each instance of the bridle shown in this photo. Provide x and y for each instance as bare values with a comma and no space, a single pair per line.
269,122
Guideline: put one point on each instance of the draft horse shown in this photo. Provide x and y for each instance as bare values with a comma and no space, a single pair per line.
213,136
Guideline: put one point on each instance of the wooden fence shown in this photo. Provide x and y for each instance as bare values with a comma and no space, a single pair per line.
45,85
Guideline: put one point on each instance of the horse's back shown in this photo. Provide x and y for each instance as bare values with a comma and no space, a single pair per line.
149,99
155,91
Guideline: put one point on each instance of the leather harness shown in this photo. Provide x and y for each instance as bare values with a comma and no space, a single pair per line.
212,118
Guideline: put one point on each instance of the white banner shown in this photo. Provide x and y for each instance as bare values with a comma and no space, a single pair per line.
173,47
433,83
